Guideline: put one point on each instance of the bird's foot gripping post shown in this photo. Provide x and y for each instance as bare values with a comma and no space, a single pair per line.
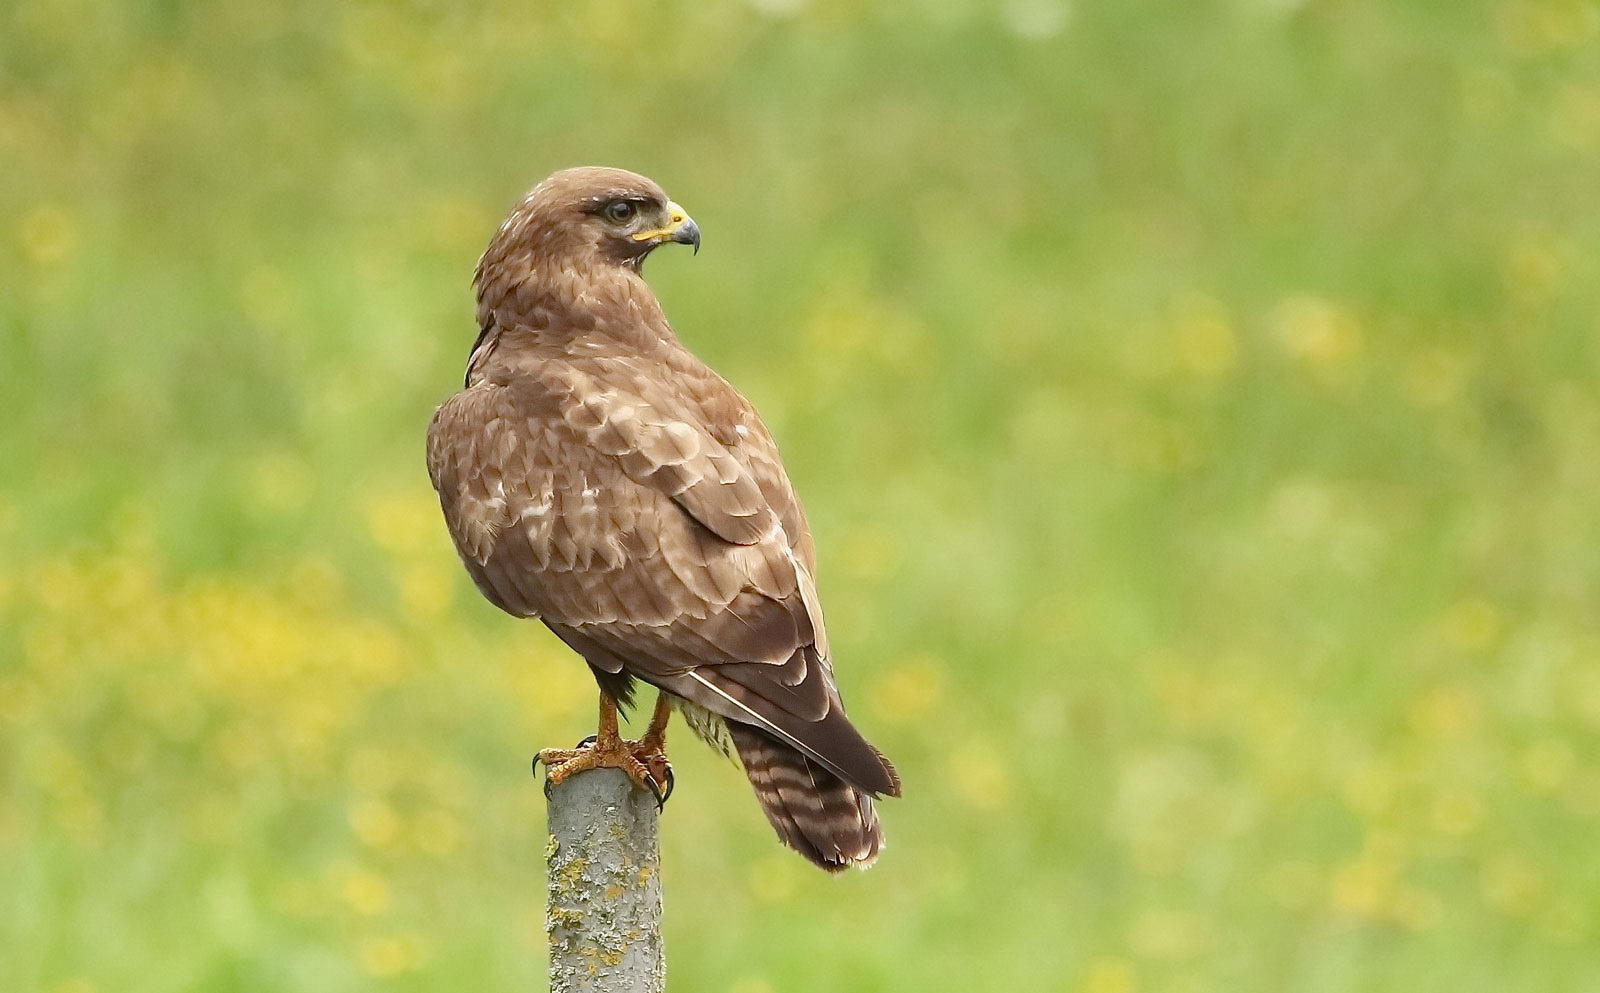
644,760
604,862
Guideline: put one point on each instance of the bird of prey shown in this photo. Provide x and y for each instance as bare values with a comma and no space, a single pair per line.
596,475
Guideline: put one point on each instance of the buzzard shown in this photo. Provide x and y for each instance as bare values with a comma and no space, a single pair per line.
596,475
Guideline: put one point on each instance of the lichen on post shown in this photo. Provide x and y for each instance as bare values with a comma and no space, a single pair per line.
604,861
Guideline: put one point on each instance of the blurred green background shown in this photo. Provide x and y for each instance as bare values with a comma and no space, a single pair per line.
1197,406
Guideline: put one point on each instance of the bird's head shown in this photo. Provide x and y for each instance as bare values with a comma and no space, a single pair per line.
593,215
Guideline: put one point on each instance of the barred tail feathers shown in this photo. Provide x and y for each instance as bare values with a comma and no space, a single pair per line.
814,812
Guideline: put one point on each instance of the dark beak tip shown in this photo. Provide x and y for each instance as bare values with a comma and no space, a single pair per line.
688,234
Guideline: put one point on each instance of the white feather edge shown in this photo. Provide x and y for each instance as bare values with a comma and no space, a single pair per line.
766,725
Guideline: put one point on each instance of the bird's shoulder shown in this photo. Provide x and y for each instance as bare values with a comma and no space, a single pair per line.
669,421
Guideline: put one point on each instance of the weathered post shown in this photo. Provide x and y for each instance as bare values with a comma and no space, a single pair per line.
604,859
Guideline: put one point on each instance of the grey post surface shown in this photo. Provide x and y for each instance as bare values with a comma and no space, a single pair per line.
604,915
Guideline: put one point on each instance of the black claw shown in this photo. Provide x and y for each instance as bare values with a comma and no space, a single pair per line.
657,793
661,795
661,799
585,743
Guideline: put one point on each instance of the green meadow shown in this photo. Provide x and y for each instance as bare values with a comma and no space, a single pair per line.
1197,406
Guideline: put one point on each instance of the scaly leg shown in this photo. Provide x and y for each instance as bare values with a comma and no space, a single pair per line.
644,760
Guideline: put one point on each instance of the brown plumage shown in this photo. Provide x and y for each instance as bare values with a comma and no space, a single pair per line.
596,475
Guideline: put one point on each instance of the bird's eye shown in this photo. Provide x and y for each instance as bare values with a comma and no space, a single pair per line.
620,211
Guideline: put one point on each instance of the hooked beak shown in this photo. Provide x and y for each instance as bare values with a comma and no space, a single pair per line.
680,228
